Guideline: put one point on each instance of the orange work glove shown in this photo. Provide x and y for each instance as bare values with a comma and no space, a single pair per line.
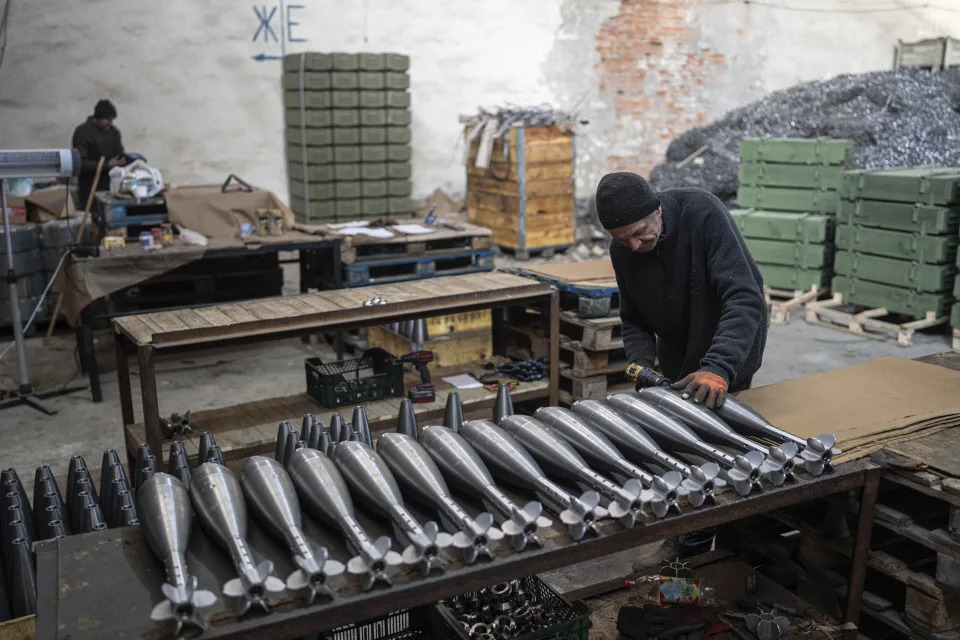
704,388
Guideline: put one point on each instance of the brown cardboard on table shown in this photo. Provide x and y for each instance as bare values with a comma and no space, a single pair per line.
207,210
49,204
589,271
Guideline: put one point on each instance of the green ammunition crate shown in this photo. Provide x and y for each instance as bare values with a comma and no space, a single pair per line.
894,299
318,190
375,188
795,254
312,137
400,205
399,153
398,135
373,171
398,117
373,153
308,99
396,80
314,155
797,150
397,99
345,62
346,135
373,135
319,210
346,172
373,99
311,80
310,118
897,273
371,80
397,170
348,209
955,317
346,154
346,117
375,206
792,175
315,173
782,225
899,216
373,118
786,199
372,62
308,62
348,190
897,244
778,276
345,99
927,185
344,80
399,188
396,61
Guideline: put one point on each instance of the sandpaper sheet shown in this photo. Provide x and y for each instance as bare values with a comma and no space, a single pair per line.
866,406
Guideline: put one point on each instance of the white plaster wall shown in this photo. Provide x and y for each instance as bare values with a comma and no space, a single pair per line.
194,102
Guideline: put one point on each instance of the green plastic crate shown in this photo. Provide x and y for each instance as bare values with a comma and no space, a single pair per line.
312,80
398,135
312,137
346,135
778,276
797,150
373,153
398,117
308,61
318,211
346,154
376,375
900,216
373,118
308,99
373,99
396,61
348,209
345,62
396,80
792,175
898,273
375,188
315,173
310,118
397,99
796,254
373,135
398,170
927,185
345,117
783,225
400,205
399,188
955,317
314,155
786,199
897,244
894,299
399,153
372,62
373,171
375,206
344,99
344,80
318,190
348,190
371,80
346,172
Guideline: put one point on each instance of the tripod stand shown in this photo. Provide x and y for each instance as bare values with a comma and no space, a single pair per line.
25,395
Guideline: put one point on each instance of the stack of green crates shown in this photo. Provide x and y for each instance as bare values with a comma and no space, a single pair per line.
789,190
897,239
347,135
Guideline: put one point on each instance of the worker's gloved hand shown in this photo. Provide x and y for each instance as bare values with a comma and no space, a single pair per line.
704,388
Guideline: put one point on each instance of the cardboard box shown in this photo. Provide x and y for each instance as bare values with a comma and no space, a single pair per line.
18,210
49,204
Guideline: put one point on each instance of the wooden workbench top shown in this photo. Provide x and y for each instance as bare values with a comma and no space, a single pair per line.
324,308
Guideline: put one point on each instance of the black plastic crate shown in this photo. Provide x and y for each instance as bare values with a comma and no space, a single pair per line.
376,375
400,625
573,617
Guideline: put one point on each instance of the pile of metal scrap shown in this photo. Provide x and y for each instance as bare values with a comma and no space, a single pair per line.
489,125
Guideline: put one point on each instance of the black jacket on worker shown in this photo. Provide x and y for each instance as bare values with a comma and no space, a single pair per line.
696,300
93,142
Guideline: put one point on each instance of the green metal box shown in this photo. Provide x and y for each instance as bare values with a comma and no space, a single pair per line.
310,80
311,137
400,205
346,117
375,206
783,225
315,172
398,117
399,153
894,299
374,153
345,62
312,155
348,190
396,80
786,199
373,118
897,273
396,170
308,62
348,209
373,171
398,135
399,188
346,172
778,276
792,175
373,135
318,190
371,80
955,317
796,254
308,99
897,244
900,216
372,62
797,150
396,61
346,135
310,118
375,188
398,99
345,99
318,211
926,185
344,80
373,99
346,154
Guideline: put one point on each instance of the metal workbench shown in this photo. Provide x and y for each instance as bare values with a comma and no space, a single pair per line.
103,585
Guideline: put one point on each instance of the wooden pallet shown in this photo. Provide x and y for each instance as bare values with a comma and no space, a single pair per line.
584,362
361,274
589,288
867,323
781,301
542,252
592,387
594,334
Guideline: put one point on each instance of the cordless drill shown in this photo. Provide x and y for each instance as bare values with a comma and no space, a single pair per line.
645,376
425,391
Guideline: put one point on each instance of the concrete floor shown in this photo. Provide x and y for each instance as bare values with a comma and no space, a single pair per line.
29,438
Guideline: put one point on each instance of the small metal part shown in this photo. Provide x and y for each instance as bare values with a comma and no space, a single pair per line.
376,300
479,628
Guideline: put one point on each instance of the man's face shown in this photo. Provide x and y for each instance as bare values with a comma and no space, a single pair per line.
642,235
103,123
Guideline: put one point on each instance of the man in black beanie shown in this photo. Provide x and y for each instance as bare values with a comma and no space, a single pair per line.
690,293
96,138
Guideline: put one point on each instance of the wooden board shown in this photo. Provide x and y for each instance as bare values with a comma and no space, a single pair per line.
937,451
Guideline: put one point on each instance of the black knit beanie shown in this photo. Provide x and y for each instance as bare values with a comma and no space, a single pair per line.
624,198
105,110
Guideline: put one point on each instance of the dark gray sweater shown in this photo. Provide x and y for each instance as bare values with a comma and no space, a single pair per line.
696,300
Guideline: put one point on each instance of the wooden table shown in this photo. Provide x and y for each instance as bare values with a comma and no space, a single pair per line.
154,335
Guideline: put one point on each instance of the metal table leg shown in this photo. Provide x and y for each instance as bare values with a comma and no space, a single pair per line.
123,380
861,548
555,348
88,358
148,393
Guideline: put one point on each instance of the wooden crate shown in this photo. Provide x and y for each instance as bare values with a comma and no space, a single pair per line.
457,322
448,350
525,194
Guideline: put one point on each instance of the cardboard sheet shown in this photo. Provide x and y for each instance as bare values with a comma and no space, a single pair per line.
866,406
589,271
203,208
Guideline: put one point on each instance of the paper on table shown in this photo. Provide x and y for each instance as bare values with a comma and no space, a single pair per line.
413,229
352,223
378,232
463,381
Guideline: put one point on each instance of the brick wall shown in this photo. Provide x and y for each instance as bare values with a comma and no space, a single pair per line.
658,76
